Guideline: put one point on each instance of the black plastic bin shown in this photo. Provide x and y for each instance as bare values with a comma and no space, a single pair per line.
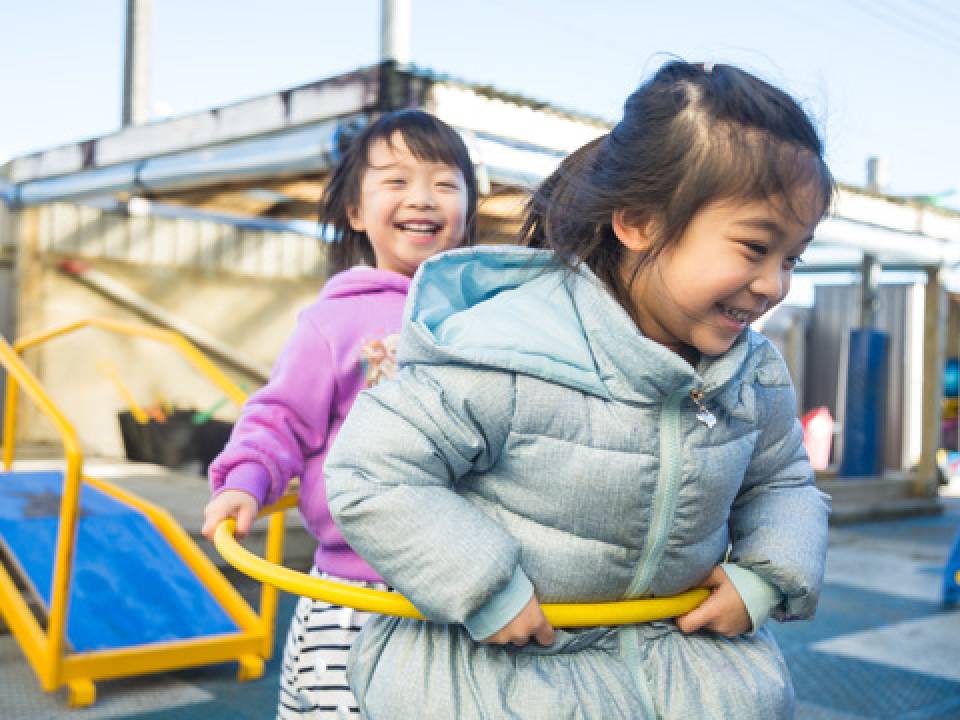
177,442
136,439
172,440
208,440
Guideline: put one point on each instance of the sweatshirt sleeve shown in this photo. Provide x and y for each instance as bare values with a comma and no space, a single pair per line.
393,476
759,597
778,523
283,423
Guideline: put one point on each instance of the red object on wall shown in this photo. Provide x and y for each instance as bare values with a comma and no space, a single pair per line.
818,436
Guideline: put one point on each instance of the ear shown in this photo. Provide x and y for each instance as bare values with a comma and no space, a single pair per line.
356,219
635,235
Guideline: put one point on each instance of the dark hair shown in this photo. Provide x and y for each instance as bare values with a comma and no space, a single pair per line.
690,135
428,139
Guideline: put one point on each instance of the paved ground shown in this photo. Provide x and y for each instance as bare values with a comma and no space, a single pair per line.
881,646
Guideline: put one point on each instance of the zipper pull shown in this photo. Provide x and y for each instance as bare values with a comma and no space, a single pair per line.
703,415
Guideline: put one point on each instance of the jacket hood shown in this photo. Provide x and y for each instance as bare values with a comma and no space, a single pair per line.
519,309
363,280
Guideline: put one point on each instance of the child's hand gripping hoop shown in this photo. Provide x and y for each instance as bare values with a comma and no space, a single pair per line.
564,615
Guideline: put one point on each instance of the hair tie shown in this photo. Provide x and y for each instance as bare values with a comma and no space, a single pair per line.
708,67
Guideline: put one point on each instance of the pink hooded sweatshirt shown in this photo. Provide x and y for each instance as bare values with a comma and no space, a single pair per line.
343,343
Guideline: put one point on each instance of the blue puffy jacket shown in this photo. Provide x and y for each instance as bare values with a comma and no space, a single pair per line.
535,439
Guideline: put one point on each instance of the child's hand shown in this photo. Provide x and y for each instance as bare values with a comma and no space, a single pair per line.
230,503
722,612
528,623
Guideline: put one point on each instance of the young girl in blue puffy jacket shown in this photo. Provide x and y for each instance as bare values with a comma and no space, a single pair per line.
591,418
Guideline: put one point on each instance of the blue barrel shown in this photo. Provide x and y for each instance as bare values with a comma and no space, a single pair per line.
865,417
951,377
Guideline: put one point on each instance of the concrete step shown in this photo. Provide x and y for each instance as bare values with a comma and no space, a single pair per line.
864,499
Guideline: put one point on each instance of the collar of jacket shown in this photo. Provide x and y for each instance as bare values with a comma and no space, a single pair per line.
516,309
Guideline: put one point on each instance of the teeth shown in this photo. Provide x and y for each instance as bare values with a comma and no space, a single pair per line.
738,315
419,227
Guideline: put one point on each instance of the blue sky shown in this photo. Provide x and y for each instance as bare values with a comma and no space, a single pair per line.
880,76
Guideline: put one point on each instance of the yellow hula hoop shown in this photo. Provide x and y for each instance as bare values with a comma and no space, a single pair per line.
566,615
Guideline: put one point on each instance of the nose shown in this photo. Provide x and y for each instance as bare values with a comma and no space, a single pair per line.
772,281
420,196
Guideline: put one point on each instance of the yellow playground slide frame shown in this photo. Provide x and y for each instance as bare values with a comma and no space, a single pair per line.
45,649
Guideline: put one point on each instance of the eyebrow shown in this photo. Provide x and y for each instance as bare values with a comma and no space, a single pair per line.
371,166
402,164
766,224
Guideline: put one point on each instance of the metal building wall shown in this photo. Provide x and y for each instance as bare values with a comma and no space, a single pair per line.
6,228
7,281
835,312
243,287
786,328
83,231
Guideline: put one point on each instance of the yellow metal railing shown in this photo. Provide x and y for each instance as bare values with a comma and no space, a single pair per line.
268,596
44,656
567,615
45,650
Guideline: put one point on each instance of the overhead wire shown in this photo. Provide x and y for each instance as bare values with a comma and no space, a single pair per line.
599,43
906,24
918,23
941,11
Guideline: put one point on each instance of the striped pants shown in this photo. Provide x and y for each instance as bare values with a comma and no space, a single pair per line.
313,683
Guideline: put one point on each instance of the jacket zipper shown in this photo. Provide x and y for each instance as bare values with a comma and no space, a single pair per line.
665,495
703,415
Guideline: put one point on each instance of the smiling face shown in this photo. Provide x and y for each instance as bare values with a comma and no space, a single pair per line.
732,264
410,209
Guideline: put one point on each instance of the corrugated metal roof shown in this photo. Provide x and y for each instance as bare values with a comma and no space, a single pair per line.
366,90
511,97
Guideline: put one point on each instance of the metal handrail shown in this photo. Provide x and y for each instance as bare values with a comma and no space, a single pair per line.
47,658
168,337
268,597
567,615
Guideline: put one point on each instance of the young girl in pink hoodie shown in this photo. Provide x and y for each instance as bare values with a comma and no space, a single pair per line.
404,191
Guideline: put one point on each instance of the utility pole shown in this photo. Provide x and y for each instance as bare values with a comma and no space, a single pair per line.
870,270
394,91
136,64
395,31
934,349
877,174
